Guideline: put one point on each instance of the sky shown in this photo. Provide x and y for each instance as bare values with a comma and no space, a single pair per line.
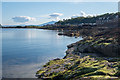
60,0
35,13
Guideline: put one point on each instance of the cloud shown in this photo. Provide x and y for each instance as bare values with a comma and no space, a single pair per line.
83,14
75,16
23,19
55,16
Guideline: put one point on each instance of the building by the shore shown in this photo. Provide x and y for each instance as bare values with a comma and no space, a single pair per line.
107,20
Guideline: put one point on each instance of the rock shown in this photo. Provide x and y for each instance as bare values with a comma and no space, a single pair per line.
100,46
56,59
71,45
78,65
109,50
73,67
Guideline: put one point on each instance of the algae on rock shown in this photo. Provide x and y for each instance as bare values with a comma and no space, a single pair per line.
74,67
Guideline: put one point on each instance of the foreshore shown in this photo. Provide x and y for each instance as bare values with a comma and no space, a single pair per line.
95,57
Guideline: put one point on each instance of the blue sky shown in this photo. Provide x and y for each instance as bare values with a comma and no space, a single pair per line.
39,12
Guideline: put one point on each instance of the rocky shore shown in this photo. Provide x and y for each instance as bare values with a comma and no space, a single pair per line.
95,57
75,68
102,46
102,42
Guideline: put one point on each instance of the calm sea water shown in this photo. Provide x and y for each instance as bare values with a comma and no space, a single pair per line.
24,51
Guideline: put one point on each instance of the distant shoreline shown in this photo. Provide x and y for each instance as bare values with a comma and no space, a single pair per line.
14,27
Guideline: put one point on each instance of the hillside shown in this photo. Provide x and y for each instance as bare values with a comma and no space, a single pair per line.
93,19
47,23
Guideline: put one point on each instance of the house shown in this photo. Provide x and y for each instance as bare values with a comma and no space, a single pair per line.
106,20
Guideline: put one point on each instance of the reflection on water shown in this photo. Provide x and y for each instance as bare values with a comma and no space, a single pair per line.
26,50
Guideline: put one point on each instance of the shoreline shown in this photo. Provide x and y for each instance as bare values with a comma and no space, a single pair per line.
79,51
93,43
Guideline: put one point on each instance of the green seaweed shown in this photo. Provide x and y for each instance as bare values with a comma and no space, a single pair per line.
74,67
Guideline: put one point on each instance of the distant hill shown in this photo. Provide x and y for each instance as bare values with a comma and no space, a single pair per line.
51,22
13,25
79,20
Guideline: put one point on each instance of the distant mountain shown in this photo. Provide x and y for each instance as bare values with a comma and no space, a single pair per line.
17,25
12,25
51,22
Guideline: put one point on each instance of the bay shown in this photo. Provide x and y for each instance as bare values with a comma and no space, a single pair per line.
24,51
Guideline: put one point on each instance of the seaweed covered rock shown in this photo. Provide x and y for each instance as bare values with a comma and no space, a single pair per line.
73,67
101,46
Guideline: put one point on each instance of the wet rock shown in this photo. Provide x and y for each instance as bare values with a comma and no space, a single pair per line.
73,67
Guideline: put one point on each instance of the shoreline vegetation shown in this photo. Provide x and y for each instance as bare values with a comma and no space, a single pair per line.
95,57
